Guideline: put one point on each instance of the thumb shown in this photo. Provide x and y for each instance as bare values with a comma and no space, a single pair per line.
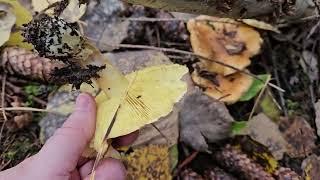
63,150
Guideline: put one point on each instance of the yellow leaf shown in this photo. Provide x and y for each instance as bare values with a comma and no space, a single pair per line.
23,16
151,94
150,162
7,20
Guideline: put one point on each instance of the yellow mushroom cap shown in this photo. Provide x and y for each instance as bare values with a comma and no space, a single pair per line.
224,40
228,89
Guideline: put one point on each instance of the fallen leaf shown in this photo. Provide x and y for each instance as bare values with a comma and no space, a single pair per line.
317,120
309,64
150,162
151,94
259,25
23,16
269,106
266,132
224,40
174,156
74,11
109,30
311,167
203,120
255,87
7,20
40,5
239,127
228,89
299,135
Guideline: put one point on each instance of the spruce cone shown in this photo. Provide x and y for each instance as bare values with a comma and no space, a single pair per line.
217,174
287,174
189,174
239,163
19,61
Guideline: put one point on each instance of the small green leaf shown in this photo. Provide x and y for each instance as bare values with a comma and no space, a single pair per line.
239,127
174,156
255,88
269,107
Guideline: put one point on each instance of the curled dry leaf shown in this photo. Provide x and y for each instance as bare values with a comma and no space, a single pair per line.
311,167
224,40
149,162
203,120
7,20
259,25
272,138
227,89
299,134
74,11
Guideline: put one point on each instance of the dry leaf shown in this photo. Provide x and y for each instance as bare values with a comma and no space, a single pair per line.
109,30
311,167
299,134
227,89
151,94
7,20
266,132
39,5
150,162
259,25
74,11
203,120
22,16
223,40
317,120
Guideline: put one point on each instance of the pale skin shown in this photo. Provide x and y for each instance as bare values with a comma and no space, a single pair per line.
60,157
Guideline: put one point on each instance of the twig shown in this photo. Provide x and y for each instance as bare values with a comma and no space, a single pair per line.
188,160
2,103
156,19
259,98
282,101
198,56
24,109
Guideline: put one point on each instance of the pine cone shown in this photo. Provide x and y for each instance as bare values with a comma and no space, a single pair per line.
217,174
286,174
189,174
237,162
25,63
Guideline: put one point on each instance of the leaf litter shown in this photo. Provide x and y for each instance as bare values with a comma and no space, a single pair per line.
208,118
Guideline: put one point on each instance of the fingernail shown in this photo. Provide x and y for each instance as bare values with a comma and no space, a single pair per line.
82,101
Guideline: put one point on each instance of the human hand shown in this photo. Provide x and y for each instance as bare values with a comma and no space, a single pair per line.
60,157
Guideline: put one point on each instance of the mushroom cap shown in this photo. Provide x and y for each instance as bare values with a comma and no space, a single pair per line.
224,40
228,89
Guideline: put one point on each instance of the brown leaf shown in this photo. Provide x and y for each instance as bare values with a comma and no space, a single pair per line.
271,138
311,167
299,134
224,40
203,120
109,30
